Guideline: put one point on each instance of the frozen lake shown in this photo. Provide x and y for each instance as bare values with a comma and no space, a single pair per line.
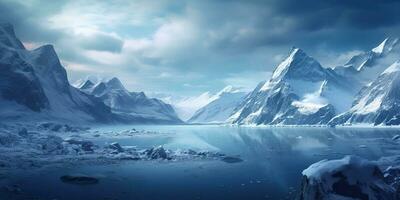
273,159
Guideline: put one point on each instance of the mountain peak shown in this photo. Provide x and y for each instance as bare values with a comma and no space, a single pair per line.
386,46
46,50
46,59
296,64
86,85
115,83
8,37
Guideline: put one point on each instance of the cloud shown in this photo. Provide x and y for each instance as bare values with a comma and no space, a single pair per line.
168,46
246,80
28,22
101,42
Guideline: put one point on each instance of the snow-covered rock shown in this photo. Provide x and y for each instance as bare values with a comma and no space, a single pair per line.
34,86
84,145
157,153
133,107
378,103
348,178
300,91
116,147
220,108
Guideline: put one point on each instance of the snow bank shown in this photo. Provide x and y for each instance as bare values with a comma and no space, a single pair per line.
348,178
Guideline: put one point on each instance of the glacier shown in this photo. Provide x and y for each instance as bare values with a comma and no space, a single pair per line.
220,107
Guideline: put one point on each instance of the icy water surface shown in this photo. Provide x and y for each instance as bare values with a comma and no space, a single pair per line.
273,159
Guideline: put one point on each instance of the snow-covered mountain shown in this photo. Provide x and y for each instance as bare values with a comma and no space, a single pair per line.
220,108
133,107
185,106
300,91
367,66
378,103
34,86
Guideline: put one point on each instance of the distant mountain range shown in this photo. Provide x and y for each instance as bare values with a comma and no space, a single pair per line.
34,87
366,90
130,106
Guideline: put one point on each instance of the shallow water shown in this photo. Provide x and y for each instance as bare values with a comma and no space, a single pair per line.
273,159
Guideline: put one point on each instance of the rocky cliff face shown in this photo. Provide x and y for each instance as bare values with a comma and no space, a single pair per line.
34,85
378,103
300,91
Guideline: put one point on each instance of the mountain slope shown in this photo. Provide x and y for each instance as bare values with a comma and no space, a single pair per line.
220,108
300,91
34,86
367,66
133,107
377,103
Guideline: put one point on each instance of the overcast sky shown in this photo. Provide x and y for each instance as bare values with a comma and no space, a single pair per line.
188,47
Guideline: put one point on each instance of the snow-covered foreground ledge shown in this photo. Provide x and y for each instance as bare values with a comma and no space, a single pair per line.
27,146
352,178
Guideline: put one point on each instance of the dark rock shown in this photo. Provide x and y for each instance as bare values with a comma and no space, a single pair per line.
115,146
8,139
190,152
348,178
392,177
51,143
230,159
79,180
85,145
157,153
23,132
210,154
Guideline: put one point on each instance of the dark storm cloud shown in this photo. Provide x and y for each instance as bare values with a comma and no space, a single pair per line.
28,21
304,23
207,38
355,14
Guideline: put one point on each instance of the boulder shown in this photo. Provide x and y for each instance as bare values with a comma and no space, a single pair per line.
348,178
157,153
116,146
84,144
